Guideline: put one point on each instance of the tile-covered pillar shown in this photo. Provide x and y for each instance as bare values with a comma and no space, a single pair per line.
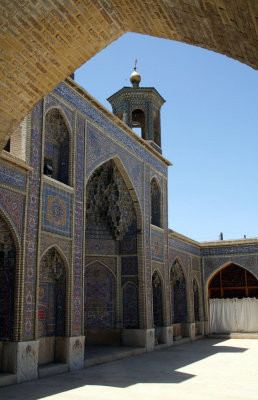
32,226
77,328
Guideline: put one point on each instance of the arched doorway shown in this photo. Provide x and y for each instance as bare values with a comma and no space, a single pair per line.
196,301
178,299
99,302
157,302
51,305
7,281
233,300
111,247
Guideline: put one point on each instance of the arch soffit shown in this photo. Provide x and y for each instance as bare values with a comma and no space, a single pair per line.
119,163
91,264
223,266
61,254
64,116
156,179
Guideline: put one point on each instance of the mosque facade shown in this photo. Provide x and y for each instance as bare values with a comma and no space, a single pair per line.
86,254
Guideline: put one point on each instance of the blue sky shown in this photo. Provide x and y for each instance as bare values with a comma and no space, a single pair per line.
209,129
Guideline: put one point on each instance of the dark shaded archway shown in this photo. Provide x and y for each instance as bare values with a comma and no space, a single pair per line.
233,281
7,281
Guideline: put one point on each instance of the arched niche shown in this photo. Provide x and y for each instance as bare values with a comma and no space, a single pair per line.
113,223
52,304
138,121
178,293
155,203
99,297
8,258
57,147
233,281
157,300
196,300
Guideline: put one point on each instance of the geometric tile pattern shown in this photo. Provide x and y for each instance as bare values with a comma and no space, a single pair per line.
157,246
12,177
56,210
99,298
13,204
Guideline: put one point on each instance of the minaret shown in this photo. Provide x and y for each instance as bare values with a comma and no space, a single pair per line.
139,107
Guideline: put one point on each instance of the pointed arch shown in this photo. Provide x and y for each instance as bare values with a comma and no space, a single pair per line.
232,280
99,296
128,182
178,293
9,273
157,299
155,194
57,146
52,293
196,300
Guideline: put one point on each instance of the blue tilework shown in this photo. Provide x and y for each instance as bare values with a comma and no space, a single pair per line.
147,246
56,211
211,264
52,101
101,148
157,245
129,265
184,246
99,299
32,218
78,245
13,204
12,177
83,106
228,250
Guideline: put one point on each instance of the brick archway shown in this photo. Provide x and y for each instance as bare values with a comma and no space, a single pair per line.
42,42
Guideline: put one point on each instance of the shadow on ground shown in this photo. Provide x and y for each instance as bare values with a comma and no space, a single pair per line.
155,367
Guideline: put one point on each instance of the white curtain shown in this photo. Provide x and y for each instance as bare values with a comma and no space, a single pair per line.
233,315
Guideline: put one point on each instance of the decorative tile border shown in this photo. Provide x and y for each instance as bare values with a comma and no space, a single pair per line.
78,229
32,229
229,250
184,247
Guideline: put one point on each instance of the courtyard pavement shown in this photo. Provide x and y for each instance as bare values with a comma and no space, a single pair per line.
207,369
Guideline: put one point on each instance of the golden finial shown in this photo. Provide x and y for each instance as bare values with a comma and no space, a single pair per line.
135,77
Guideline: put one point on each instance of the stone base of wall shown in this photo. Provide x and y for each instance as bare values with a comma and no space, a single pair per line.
206,327
75,352
188,330
139,337
199,328
164,335
21,358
